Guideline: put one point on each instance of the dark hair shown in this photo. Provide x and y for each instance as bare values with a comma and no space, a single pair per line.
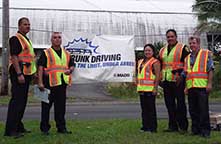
21,19
152,47
171,30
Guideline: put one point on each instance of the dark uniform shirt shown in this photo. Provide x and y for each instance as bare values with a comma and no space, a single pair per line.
43,62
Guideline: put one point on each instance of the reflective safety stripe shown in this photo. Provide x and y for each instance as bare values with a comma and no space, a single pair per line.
173,65
197,75
27,55
145,77
146,82
171,61
56,67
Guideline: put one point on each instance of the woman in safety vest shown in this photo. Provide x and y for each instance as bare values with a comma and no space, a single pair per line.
147,83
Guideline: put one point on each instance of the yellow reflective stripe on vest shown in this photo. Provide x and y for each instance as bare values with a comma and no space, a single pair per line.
197,76
171,61
56,67
27,55
145,77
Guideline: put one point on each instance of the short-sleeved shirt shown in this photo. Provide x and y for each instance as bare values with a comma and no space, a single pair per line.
210,64
43,62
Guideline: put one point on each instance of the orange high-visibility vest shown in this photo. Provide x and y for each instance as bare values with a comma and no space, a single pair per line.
171,61
197,76
145,77
56,67
26,56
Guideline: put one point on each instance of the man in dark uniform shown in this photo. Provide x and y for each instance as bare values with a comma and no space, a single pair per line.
21,69
172,57
55,66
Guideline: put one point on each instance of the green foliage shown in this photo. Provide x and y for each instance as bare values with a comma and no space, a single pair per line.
127,91
116,131
209,15
158,45
124,91
217,77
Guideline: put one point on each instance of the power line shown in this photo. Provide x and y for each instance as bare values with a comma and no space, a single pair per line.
112,11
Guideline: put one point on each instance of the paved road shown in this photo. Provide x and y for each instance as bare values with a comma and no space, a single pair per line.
98,111
89,92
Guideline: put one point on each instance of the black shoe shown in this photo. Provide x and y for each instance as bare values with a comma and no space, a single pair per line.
14,134
170,130
205,135
24,131
195,133
183,132
64,131
46,133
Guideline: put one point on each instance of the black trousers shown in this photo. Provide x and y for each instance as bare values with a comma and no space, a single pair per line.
148,107
199,110
17,104
175,102
58,97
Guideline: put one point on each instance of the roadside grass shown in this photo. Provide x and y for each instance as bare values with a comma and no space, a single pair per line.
4,100
116,131
127,92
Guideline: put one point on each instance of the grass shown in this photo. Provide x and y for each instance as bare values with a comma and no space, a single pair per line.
127,92
117,131
4,100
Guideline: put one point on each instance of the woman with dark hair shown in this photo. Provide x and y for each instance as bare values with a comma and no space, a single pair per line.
147,83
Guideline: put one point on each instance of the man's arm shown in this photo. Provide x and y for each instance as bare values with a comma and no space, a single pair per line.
210,80
15,49
41,65
210,69
40,78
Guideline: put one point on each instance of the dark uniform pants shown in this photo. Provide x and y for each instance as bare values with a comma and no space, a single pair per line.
58,97
148,107
199,110
17,104
175,102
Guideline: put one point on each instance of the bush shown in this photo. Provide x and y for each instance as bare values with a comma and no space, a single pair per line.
127,91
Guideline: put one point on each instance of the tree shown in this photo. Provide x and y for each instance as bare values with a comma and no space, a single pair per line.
209,15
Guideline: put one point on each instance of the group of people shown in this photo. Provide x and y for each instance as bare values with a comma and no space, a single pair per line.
179,71
53,72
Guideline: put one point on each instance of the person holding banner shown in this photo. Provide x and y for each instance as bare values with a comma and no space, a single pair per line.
56,65
147,83
22,68
172,58
199,72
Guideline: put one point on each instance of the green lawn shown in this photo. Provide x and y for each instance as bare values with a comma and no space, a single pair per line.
118,131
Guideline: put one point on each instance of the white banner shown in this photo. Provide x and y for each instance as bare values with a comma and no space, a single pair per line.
103,58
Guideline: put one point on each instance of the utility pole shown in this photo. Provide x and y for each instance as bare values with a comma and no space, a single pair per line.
5,47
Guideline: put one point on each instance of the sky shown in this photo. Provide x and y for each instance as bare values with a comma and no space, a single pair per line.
183,6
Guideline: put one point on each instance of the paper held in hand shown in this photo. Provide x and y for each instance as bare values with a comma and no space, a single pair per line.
41,95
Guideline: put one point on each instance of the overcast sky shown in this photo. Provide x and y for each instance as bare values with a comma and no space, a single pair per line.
115,5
